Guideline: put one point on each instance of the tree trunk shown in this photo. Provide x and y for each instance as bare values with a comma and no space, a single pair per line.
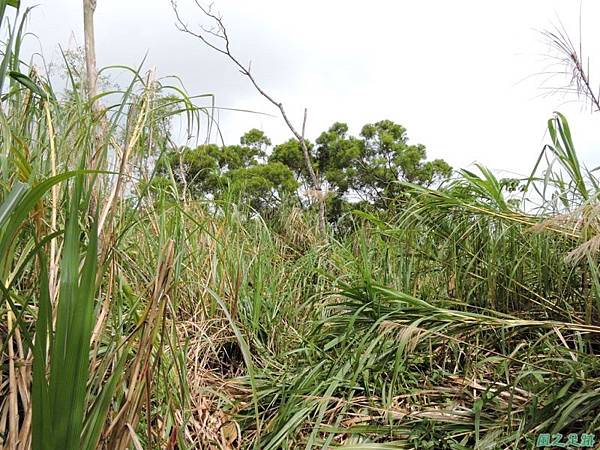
94,157
89,6
313,176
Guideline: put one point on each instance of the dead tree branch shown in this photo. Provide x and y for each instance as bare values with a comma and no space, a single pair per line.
219,32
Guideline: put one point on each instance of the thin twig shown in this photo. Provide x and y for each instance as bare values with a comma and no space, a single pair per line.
221,34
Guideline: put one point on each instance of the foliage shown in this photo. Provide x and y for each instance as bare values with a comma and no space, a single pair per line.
263,185
458,323
464,320
80,351
365,172
374,166
210,170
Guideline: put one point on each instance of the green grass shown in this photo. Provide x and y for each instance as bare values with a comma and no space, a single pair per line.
469,319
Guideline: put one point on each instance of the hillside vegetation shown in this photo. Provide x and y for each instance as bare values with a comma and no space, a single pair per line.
455,313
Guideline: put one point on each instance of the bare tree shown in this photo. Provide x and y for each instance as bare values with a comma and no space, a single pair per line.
218,33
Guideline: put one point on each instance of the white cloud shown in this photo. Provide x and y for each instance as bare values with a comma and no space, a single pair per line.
455,74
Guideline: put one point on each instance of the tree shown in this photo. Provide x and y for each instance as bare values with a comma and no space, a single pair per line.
337,156
262,186
290,153
196,168
372,167
363,172
209,171
251,150
386,158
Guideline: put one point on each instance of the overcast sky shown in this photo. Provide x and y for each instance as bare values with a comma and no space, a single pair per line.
460,75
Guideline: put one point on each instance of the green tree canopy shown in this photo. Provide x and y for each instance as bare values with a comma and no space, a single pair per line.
372,166
363,172
263,185
290,154
209,170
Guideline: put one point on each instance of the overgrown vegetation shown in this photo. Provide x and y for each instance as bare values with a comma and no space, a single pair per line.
151,306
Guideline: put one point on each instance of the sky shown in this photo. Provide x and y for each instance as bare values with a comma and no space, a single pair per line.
466,78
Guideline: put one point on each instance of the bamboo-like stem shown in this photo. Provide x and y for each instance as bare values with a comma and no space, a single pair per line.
89,7
13,409
53,272
116,188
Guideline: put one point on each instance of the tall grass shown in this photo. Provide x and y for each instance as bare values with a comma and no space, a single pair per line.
466,321
82,352
147,319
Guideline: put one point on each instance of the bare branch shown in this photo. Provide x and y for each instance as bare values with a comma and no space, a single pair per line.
304,121
220,32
